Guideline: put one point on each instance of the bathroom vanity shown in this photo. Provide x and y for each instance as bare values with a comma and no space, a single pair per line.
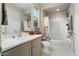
30,46
15,45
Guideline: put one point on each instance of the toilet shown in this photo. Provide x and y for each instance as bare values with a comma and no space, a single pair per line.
46,45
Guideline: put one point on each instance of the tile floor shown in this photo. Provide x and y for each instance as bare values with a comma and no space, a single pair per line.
58,48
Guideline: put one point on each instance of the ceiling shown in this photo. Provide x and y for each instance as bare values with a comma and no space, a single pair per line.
51,7
47,7
25,7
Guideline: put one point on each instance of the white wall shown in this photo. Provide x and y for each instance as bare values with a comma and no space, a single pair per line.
74,10
14,16
0,26
76,27
58,26
14,19
71,12
0,17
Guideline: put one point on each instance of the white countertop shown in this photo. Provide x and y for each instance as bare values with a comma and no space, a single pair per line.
9,43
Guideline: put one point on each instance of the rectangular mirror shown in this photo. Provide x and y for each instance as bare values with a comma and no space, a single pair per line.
27,22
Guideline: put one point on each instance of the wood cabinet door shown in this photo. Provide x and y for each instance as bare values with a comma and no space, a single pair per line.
36,47
22,50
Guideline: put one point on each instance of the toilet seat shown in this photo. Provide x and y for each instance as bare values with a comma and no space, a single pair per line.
46,44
